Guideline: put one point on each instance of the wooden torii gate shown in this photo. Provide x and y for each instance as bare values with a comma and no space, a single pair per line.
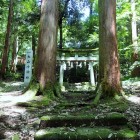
91,58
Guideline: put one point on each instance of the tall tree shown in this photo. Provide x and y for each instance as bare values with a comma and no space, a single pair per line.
134,31
91,7
45,65
7,40
135,57
63,5
33,46
14,54
109,68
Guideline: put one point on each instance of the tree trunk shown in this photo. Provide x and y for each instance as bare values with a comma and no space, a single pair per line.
45,66
136,70
33,46
134,32
61,16
109,68
91,7
61,32
44,76
14,54
7,41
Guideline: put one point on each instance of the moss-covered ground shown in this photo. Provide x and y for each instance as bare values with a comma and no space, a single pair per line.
71,116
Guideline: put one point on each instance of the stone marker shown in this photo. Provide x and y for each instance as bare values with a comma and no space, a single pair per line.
28,67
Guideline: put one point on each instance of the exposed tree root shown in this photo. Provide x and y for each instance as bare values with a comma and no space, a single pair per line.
119,97
51,91
31,91
98,95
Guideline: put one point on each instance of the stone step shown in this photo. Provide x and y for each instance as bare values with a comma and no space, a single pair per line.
107,119
96,133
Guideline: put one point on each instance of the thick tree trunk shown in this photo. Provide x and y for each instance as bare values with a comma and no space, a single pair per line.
109,68
7,41
43,80
45,66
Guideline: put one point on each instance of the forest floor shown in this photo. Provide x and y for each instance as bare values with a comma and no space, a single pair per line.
20,121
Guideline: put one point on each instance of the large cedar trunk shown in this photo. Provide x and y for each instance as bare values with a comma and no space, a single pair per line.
7,41
45,65
109,69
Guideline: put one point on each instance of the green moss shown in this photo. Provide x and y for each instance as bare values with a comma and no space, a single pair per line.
114,105
57,90
33,104
96,133
45,101
33,86
127,133
16,137
72,134
51,90
31,91
87,120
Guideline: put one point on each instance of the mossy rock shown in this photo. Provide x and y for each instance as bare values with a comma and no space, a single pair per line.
97,133
88,120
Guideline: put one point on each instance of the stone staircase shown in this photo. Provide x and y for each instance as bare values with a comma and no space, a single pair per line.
83,124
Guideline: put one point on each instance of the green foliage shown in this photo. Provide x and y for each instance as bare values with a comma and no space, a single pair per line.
78,31
124,24
14,76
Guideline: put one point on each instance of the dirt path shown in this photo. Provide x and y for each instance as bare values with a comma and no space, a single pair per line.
23,122
16,121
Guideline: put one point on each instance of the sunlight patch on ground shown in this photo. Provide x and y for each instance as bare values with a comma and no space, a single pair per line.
134,99
17,83
133,88
131,83
10,101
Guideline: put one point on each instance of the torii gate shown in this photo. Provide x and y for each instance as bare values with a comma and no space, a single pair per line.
90,58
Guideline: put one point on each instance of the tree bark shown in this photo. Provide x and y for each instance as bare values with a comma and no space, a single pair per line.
61,32
33,46
109,68
45,66
7,41
14,54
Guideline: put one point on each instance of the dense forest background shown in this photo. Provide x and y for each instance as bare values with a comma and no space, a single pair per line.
78,28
